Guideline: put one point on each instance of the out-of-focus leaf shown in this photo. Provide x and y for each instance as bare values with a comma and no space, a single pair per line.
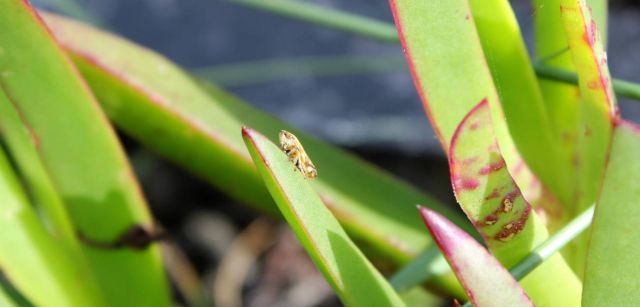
494,204
327,17
486,281
269,70
352,276
613,266
81,155
34,260
596,113
197,126
359,25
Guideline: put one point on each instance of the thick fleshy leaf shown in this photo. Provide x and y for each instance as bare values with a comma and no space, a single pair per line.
441,44
435,65
613,266
352,276
494,204
81,155
33,260
196,126
486,281
522,103
596,113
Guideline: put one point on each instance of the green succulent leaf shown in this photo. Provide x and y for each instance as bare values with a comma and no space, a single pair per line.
528,123
493,202
35,261
196,126
613,266
81,155
486,281
352,276
595,114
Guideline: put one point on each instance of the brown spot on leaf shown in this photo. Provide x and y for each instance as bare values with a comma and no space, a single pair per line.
514,227
494,194
492,167
587,131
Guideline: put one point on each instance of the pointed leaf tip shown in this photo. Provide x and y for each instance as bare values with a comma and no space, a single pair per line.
485,280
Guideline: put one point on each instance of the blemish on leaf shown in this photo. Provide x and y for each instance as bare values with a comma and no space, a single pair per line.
594,84
466,183
509,199
587,131
514,227
469,161
492,167
493,195
507,205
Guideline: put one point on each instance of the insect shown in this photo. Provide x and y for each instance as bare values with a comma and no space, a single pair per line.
294,150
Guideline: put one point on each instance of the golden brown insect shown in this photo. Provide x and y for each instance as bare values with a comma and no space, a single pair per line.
294,150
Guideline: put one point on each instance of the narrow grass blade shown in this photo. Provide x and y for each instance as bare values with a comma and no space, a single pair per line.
327,17
34,260
613,266
352,276
248,73
494,204
81,154
486,281
197,126
625,88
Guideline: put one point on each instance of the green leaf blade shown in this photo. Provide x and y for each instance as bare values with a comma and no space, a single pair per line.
528,124
494,204
38,264
486,281
612,267
196,126
355,280
596,113
81,154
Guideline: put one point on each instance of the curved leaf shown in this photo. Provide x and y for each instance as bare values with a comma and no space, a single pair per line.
494,204
81,155
486,281
352,276
613,266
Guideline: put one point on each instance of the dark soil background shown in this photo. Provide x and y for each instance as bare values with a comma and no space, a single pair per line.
247,260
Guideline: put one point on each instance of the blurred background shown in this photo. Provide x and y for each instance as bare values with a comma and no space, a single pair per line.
352,91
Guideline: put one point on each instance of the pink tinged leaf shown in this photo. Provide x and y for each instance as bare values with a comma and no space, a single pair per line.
588,54
485,280
482,183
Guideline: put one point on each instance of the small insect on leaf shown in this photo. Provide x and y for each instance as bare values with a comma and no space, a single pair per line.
294,150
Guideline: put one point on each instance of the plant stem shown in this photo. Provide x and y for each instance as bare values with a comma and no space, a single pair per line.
327,17
253,72
386,32
620,87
